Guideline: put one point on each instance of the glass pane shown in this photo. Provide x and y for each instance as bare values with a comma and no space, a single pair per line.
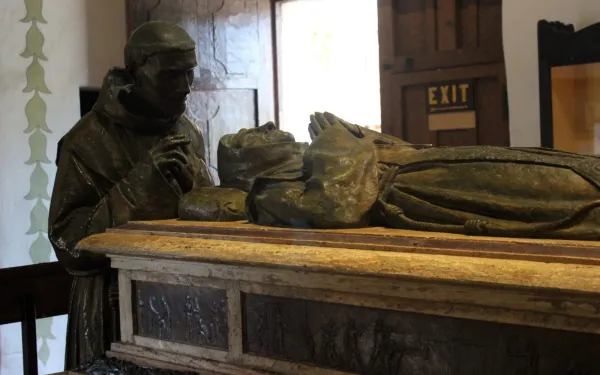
51,332
328,61
11,362
51,335
576,108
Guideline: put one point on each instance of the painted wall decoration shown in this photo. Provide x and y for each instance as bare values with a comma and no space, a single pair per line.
37,128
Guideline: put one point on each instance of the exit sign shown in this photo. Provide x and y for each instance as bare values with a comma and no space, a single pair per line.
455,96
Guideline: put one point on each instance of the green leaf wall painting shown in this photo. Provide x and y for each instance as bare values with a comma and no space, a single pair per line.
37,128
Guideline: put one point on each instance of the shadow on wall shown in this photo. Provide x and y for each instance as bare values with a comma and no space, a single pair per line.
106,37
87,99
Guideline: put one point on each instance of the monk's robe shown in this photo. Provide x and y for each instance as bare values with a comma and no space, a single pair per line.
346,181
105,178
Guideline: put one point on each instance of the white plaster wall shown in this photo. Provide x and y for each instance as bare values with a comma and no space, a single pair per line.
83,38
519,24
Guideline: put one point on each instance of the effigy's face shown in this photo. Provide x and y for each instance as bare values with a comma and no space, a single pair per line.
166,80
264,135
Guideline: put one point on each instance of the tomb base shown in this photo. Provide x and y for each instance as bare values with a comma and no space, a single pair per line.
233,298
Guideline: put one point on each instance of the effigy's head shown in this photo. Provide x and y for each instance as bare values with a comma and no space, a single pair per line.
250,152
161,57
264,135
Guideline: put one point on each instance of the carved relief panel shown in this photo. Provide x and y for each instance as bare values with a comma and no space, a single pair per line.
226,34
233,85
373,341
187,314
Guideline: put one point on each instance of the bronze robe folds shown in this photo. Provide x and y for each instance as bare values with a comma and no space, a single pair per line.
105,178
346,181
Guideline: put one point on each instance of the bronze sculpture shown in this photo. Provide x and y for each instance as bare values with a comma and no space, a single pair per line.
241,158
131,158
136,156
354,177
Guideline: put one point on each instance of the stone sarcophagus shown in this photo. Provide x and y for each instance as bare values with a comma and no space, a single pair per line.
234,298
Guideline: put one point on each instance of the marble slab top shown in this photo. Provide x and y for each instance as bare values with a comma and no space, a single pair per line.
378,252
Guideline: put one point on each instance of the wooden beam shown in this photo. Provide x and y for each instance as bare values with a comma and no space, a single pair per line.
48,285
450,74
386,13
445,59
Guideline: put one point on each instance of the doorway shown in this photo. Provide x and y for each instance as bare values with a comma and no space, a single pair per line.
328,60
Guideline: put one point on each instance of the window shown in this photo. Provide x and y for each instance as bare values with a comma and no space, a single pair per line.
328,60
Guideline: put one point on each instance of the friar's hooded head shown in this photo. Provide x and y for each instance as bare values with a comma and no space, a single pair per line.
161,58
150,93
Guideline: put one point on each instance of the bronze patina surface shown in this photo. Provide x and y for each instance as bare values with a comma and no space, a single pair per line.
353,177
132,157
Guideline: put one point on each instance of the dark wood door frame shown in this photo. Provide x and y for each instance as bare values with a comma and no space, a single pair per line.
385,10
560,45
428,42
275,17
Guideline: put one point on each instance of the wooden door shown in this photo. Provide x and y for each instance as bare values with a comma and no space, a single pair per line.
429,42
233,88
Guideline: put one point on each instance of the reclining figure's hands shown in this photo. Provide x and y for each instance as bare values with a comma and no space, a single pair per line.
319,122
